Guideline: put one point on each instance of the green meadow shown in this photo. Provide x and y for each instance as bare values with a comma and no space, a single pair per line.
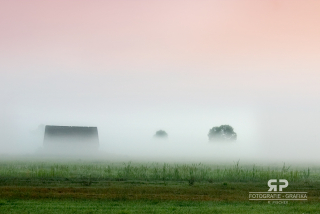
87,186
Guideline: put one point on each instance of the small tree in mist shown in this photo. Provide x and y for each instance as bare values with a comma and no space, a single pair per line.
161,134
222,133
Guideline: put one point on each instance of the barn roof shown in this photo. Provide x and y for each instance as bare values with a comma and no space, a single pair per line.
71,135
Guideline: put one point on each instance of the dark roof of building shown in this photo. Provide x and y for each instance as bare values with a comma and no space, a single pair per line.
66,134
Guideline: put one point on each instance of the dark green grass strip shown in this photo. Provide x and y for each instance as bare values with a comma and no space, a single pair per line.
176,191
140,207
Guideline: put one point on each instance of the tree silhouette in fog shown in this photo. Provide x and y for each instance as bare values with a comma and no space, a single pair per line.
222,133
161,134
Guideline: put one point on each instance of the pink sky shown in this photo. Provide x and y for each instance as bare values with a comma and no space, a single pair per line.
161,31
274,38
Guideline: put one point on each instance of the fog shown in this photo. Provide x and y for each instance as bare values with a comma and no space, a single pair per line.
131,69
274,129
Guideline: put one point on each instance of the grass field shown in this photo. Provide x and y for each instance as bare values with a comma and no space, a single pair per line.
120,207
34,186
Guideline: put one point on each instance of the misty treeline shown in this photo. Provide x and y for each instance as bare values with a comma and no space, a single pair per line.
217,133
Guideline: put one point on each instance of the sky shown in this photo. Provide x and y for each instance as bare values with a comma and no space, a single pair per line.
134,67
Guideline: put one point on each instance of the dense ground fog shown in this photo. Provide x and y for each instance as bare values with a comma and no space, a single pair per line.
270,135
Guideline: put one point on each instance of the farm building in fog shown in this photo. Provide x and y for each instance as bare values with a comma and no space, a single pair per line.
71,139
